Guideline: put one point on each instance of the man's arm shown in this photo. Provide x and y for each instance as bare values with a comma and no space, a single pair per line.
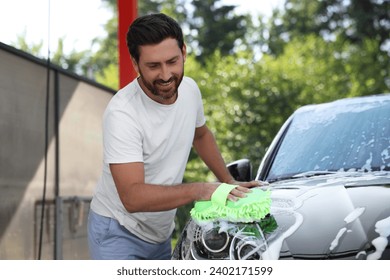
137,196
206,147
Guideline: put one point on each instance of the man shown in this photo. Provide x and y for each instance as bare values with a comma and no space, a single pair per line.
149,128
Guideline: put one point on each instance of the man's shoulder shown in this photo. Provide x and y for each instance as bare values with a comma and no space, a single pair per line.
189,81
189,84
124,96
127,91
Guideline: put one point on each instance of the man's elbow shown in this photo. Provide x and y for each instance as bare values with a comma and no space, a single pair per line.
130,203
131,207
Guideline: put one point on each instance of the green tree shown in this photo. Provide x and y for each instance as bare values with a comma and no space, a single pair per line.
247,100
214,27
174,8
21,44
75,61
104,62
354,21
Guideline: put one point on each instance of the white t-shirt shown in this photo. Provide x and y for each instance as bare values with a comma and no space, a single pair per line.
138,129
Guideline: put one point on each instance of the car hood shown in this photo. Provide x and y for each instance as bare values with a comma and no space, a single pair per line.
342,215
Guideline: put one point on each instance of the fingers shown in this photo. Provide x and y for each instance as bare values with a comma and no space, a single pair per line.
238,192
262,183
243,188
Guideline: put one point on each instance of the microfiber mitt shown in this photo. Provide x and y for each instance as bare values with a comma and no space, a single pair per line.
254,207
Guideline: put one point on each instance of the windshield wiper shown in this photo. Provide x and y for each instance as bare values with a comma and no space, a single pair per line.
301,175
313,173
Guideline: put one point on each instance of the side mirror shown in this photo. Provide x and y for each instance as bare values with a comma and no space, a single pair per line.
241,170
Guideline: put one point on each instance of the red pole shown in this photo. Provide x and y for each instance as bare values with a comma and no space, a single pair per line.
127,13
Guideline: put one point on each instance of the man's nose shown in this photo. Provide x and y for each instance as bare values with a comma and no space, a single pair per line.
165,73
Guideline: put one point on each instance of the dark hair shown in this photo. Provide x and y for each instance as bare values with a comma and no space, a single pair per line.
152,29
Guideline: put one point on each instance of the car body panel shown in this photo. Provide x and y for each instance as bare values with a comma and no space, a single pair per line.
333,217
328,170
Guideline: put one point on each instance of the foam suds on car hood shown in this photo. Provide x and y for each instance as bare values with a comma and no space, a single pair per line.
383,228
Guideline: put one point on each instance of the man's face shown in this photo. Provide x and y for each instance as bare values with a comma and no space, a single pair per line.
161,70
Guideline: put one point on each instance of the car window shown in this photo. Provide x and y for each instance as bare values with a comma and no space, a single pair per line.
337,137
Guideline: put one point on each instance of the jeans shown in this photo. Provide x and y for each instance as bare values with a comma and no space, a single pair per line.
108,240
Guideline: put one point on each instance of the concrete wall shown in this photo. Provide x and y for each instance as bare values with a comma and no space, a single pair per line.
68,171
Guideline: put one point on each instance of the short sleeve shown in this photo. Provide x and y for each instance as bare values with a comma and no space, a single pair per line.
200,118
122,138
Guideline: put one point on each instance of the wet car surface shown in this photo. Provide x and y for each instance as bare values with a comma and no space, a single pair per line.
328,170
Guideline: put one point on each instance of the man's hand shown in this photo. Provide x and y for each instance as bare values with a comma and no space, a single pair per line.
238,192
250,184
243,188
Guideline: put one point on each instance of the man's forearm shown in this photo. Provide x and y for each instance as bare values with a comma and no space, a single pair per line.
208,151
152,198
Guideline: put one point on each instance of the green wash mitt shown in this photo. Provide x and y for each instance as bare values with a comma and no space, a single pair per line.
254,207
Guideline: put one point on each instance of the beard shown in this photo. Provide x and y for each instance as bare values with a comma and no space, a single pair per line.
164,90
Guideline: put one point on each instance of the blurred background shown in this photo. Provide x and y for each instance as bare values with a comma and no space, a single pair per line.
255,63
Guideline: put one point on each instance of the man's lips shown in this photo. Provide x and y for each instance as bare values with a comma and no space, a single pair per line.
164,83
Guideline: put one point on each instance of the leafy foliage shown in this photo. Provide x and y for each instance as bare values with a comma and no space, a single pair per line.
353,21
215,28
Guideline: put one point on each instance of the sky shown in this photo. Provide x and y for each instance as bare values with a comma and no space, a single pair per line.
78,22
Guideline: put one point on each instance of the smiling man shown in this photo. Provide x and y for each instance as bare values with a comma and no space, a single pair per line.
149,128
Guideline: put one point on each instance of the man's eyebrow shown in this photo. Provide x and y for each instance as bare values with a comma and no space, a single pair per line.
151,63
173,58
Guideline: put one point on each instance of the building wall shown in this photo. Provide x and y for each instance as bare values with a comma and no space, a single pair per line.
69,117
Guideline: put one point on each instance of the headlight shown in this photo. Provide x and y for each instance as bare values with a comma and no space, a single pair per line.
225,240
215,241
249,248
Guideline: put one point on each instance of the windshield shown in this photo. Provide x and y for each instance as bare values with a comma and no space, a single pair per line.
344,136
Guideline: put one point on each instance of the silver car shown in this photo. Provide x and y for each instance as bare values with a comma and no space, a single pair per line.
328,170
